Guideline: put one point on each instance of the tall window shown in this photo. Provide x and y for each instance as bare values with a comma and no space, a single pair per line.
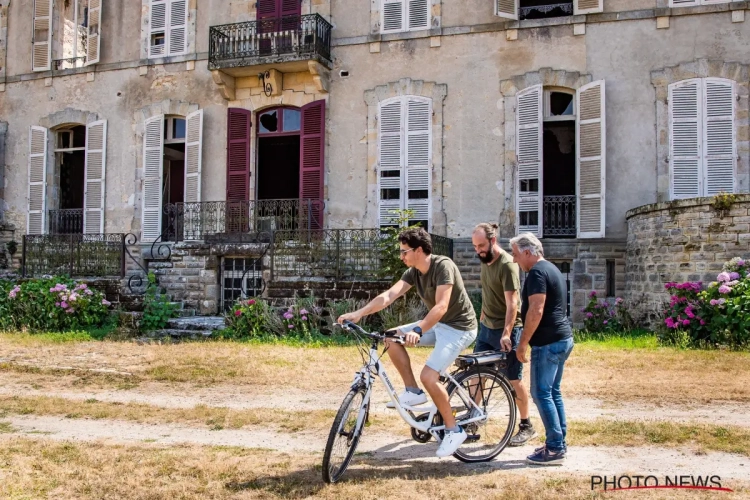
168,28
77,40
702,144
405,159
404,15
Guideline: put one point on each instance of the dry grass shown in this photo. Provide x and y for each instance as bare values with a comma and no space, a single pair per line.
662,375
42,469
214,418
601,432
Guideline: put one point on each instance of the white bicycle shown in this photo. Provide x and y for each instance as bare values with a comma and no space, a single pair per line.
482,399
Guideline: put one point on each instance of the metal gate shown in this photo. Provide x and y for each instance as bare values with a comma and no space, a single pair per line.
241,278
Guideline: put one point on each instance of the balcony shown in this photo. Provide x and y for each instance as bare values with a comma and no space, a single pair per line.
559,216
68,221
240,221
287,44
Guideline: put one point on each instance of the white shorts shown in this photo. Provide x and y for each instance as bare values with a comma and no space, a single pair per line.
448,342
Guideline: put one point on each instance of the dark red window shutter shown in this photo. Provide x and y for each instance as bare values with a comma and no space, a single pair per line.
290,7
238,169
267,8
313,137
238,154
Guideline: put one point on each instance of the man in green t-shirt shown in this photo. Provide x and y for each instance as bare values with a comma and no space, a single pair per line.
499,324
450,326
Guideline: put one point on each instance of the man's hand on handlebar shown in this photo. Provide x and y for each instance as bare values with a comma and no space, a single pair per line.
352,316
410,338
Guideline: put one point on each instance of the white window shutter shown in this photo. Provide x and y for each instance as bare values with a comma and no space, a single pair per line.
529,157
591,165
719,142
153,157
419,14
158,25
42,41
37,209
177,34
684,3
193,156
587,6
392,16
390,158
507,9
685,151
95,173
93,32
418,127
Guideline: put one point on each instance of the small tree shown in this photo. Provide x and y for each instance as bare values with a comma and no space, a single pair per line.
391,266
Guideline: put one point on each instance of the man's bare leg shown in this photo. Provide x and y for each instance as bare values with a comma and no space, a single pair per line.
431,380
400,359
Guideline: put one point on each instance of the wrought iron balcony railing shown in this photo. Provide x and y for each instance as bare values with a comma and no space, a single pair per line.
559,216
249,43
67,221
230,220
545,11
69,63
74,255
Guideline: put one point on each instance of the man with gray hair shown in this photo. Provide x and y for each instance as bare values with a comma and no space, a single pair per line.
547,330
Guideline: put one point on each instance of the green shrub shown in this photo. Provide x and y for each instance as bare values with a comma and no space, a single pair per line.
157,308
51,304
391,265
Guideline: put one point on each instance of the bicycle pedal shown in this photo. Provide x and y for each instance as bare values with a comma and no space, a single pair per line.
473,438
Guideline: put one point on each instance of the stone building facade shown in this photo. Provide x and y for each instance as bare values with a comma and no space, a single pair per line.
547,116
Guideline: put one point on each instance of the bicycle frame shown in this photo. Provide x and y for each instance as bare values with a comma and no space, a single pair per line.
374,368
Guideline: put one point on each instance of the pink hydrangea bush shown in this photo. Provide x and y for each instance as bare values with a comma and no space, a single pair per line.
601,315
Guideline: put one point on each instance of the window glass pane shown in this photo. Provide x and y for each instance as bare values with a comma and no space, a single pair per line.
560,104
178,128
530,186
390,194
63,139
291,120
418,194
157,39
79,137
269,122
390,173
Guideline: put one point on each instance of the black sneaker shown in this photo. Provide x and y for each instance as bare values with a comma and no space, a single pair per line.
524,434
546,457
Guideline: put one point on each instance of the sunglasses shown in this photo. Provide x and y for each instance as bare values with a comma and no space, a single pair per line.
404,252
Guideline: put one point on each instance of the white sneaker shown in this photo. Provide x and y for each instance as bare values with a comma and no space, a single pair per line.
451,442
407,398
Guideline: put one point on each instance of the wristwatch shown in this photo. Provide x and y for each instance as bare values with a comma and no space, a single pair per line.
417,330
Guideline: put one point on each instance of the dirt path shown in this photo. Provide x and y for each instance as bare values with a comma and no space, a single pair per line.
234,397
582,460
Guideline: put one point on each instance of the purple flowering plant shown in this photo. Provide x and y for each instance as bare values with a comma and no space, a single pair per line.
602,315
51,304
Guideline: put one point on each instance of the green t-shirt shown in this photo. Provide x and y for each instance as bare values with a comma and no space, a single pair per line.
460,314
497,278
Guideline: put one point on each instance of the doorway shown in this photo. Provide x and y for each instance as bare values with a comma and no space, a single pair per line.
559,164
278,167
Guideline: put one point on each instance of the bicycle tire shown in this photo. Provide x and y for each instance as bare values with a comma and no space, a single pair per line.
331,471
504,388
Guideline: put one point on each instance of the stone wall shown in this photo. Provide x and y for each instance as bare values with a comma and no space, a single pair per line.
587,260
684,240
192,277
7,234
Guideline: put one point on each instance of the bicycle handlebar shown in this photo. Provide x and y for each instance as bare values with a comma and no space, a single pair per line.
389,334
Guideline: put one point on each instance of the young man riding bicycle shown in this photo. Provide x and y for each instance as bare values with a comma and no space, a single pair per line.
450,326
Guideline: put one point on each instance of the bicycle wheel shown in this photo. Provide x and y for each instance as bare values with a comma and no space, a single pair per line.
344,437
493,393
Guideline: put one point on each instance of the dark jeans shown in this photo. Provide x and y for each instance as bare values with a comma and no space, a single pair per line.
547,364
489,340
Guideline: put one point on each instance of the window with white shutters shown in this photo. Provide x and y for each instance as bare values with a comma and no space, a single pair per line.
37,198
153,155
702,143
168,28
93,32
405,159
591,160
41,59
94,173
404,15
529,160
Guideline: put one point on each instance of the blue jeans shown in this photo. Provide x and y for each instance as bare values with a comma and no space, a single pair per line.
547,364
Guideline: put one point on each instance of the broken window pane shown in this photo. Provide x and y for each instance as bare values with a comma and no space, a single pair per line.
530,185
269,122
560,104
